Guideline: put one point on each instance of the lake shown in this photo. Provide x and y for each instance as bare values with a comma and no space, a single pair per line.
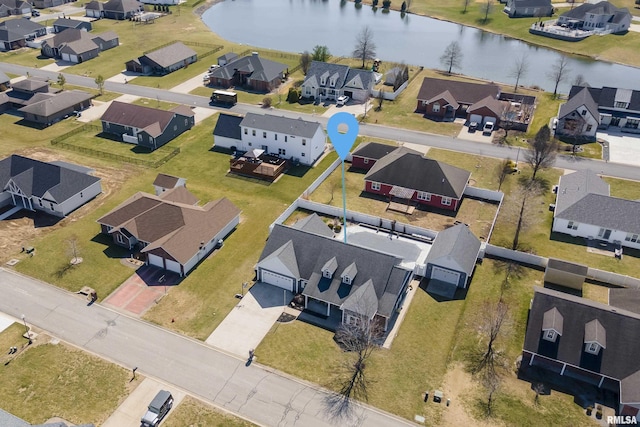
299,25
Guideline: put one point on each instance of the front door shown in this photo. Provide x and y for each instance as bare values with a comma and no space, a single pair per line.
615,121
604,233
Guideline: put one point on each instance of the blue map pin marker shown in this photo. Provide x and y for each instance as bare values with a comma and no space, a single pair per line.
342,142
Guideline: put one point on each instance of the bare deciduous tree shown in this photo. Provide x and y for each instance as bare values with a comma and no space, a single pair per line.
466,5
401,76
519,70
305,62
495,315
486,8
502,171
529,189
542,151
365,47
73,249
579,80
558,72
452,56
360,338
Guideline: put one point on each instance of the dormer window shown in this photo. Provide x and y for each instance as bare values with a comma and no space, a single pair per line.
592,348
595,337
550,336
333,82
346,280
329,268
552,323
349,273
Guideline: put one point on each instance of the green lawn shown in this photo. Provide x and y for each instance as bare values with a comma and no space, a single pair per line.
193,413
49,380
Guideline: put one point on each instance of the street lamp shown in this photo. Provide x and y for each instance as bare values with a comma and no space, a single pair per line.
26,328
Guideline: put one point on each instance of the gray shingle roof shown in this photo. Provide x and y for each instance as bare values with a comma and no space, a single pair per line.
228,126
626,299
37,178
552,320
145,118
169,55
607,96
618,360
122,5
30,84
606,212
463,92
601,8
10,420
409,169
579,99
281,124
257,68
312,252
574,186
455,247
21,26
54,104
373,150
69,23
531,3
313,224
318,69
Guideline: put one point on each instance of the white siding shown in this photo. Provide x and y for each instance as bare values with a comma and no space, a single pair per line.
155,260
224,142
173,266
188,266
445,275
591,231
312,149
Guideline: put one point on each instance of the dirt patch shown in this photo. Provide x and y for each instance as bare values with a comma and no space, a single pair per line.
23,227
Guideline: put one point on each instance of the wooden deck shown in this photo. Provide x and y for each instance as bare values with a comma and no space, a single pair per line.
401,207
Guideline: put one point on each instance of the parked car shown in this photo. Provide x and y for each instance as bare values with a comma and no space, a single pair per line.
342,100
35,13
488,128
473,126
157,409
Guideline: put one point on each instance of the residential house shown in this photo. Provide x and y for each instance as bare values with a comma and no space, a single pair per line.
226,58
171,230
77,45
164,182
579,116
47,109
14,7
15,33
122,9
252,72
335,278
46,4
300,140
164,60
55,189
611,107
367,154
488,109
584,344
599,17
23,92
94,9
447,99
62,24
585,209
145,126
407,174
162,2
452,259
330,81
528,8
5,82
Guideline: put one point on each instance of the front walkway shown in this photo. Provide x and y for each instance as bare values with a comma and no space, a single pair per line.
247,324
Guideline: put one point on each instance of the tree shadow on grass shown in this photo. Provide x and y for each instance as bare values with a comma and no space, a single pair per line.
111,250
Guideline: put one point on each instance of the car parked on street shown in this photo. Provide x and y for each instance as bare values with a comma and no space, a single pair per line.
157,409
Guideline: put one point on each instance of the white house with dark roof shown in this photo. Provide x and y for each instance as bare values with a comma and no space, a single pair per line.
329,81
296,139
334,277
584,344
528,8
452,259
579,116
253,72
584,208
50,188
601,16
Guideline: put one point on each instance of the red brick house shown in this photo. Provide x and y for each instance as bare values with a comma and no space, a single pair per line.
447,99
407,174
369,153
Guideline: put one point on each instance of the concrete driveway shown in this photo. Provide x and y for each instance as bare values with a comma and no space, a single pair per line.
133,408
623,147
352,107
250,320
476,136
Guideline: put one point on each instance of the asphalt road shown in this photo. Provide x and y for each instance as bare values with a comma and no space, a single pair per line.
617,170
255,392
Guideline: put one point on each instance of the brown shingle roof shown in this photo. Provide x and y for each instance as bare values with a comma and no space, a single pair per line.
169,55
166,181
152,120
463,92
179,195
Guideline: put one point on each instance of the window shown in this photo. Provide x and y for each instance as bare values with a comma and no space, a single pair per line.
119,238
621,104
435,108
106,124
275,136
250,145
302,154
246,131
550,335
446,201
51,206
282,152
584,112
346,280
264,134
632,123
323,81
366,161
589,128
326,274
592,348
175,128
304,141
286,138
375,186
253,132
424,196
140,137
186,122
81,195
572,225
631,238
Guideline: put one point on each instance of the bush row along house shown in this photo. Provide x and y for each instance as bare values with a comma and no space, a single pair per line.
589,109
53,188
300,140
164,60
251,72
170,230
77,46
330,81
145,126
406,174
15,33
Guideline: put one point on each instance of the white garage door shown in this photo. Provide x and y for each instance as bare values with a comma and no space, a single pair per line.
155,260
65,57
489,119
445,275
173,266
278,280
476,118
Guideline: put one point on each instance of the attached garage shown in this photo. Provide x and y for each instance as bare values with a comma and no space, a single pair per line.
444,275
475,118
173,266
155,260
482,119
278,280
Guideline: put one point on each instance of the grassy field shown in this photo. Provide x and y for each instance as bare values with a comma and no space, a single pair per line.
48,380
193,413
615,48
